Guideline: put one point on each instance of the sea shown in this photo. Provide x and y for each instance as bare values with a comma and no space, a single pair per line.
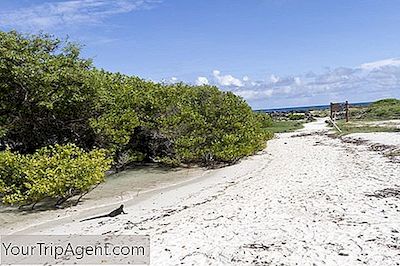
307,108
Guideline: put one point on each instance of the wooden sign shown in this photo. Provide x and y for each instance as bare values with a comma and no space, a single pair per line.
338,109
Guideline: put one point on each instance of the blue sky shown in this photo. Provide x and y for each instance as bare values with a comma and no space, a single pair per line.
274,53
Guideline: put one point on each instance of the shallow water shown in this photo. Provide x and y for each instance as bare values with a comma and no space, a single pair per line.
130,183
119,187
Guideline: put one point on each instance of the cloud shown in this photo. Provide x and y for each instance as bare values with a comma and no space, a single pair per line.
274,79
202,81
173,80
254,94
369,81
391,62
227,80
69,12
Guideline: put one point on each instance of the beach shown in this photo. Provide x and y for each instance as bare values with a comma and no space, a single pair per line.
127,187
308,198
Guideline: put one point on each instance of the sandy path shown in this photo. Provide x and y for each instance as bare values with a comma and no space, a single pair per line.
302,201
384,138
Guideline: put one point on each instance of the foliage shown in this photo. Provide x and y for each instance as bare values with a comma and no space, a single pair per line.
386,108
265,119
179,123
46,95
55,107
282,126
358,112
296,116
320,113
12,177
360,127
55,172
360,117
49,95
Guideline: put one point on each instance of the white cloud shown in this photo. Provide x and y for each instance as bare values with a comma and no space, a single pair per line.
173,80
69,12
255,94
227,80
274,79
202,81
367,82
297,80
245,78
381,63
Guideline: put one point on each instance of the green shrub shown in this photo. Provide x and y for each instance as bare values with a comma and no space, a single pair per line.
219,126
12,177
50,95
386,108
265,119
293,116
179,123
46,92
56,172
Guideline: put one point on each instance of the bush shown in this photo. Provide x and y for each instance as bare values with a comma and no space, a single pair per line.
386,108
293,116
12,177
265,119
49,95
178,123
56,173
46,92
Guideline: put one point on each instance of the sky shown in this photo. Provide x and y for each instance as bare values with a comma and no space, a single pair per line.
273,53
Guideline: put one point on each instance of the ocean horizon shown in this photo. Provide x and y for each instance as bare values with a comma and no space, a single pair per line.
306,108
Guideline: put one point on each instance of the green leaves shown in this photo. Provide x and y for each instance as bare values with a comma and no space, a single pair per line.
50,96
54,172
45,92
177,123
386,108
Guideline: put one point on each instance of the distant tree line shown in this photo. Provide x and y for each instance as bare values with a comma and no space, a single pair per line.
64,123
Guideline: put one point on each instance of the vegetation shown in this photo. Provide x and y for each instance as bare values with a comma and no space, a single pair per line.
384,109
380,110
357,127
177,124
297,116
61,119
55,172
320,112
282,126
46,95
266,122
366,119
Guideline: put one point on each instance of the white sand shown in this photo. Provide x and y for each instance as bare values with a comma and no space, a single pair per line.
301,201
386,123
384,138
126,187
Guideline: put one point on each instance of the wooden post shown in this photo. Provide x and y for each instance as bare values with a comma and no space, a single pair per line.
331,111
347,111
336,126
